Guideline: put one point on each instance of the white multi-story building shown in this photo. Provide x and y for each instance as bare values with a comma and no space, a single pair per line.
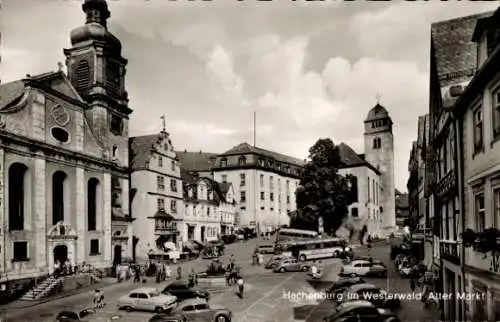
264,184
209,208
157,193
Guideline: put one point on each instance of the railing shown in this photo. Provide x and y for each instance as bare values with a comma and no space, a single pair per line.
448,250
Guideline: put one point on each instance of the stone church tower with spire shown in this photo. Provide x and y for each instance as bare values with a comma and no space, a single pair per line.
64,168
379,151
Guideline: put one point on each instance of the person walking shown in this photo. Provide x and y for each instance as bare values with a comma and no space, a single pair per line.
241,286
168,272
412,284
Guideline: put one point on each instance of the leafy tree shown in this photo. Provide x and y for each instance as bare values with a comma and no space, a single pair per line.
323,191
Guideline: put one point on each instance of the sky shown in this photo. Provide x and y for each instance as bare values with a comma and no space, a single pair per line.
309,69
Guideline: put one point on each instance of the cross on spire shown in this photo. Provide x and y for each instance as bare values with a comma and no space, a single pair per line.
378,97
164,122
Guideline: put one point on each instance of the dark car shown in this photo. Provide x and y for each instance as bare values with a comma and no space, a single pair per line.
168,318
182,291
355,311
372,294
229,239
341,285
86,315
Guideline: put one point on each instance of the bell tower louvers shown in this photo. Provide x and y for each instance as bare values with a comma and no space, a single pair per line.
97,71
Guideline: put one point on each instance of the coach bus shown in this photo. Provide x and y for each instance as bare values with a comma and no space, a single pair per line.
295,234
316,248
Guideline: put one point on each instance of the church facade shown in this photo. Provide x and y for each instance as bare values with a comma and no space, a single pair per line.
64,159
373,172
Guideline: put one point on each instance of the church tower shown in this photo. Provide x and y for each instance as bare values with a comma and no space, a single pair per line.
379,151
96,69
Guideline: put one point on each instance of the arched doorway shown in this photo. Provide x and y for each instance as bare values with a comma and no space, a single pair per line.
60,254
117,257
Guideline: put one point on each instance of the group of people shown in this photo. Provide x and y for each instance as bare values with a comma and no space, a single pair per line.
426,282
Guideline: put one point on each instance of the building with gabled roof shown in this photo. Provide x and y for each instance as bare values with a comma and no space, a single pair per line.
64,159
209,208
156,183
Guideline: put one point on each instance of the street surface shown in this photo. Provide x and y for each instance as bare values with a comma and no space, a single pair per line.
266,293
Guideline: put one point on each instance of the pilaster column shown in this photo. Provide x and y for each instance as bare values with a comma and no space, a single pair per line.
106,219
125,197
130,240
39,213
2,211
81,216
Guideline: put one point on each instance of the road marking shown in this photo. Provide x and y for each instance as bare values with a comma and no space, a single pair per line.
269,293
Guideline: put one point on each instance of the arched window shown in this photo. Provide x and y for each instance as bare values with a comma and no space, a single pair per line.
18,195
242,160
354,189
223,162
375,143
59,195
379,144
92,197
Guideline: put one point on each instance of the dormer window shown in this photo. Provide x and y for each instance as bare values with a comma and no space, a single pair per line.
271,163
278,166
242,161
261,162
223,162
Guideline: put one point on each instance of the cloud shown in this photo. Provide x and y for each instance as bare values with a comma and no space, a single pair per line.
309,69
220,66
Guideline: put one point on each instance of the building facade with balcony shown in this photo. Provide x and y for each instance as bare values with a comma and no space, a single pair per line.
156,187
64,160
453,65
264,184
209,208
478,115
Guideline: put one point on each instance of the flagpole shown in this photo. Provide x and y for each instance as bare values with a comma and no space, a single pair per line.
254,128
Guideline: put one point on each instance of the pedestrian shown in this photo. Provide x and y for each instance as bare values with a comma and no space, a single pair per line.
314,270
179,272
168,272
412,284
241,286
98,299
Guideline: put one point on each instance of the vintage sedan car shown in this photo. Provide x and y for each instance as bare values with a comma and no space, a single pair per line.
275,260
364,268
354,311
341,285
290,265
147,299
372,294
183,291
168,318
200,310
87,315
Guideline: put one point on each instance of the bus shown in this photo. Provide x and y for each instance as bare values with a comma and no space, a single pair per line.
295,234
316,249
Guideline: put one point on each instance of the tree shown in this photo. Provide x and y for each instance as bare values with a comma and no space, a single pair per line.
324,192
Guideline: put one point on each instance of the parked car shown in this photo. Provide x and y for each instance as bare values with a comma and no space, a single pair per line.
168,318
360,311
341,285
364,268
275,260
290,265
239,235
372,294
265,248
147,299
200,310
229,239
87,315
183,291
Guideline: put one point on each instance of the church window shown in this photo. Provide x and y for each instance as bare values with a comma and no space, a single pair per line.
20,251
59,195
60,134
354,189
92,204
116,125
112,76
377,143
18,195
82,74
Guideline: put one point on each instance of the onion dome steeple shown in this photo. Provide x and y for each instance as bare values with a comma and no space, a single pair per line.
96,11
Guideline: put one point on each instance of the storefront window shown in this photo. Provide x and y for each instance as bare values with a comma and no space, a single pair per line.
480,313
